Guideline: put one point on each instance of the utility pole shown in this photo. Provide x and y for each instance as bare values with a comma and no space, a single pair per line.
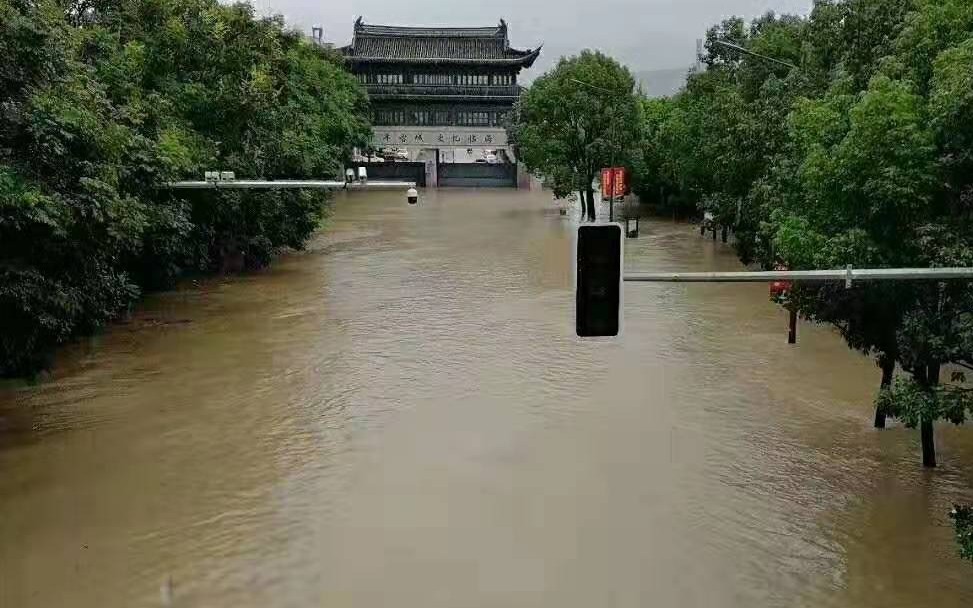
611,172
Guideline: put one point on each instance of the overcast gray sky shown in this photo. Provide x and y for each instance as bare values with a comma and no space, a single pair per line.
644,34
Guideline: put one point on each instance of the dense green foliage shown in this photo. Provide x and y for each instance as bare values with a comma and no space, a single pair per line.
575,120
860,151
963,518
101,101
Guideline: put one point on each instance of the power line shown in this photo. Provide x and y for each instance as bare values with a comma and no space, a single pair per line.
739,48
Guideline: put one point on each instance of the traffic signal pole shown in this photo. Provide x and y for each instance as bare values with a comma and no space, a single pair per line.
600,279
849,275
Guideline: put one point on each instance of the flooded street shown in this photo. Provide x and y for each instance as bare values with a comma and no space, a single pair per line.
402,416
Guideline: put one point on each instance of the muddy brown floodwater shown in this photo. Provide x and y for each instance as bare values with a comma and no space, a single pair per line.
401,416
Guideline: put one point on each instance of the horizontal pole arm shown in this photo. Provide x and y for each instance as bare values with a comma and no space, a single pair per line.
863,274
241,184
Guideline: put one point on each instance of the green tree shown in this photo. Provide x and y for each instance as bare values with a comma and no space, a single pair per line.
103,100
720,134
963,518
865,194
864,157
711,137
869,31
653,176
861,154
576,119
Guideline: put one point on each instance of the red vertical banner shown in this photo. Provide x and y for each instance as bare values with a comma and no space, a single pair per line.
607,182
620,181
614,182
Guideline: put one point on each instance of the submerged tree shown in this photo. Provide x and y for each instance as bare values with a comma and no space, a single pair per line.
844,138
104,99
576,119
963,519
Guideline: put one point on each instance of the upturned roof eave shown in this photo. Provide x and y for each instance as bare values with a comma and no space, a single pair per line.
526,61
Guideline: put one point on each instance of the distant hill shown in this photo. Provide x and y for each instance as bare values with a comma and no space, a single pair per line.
662,83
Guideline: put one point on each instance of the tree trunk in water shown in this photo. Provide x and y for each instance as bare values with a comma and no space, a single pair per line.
702,230
926,424
726,233
591,203
888,369
714,232
928,444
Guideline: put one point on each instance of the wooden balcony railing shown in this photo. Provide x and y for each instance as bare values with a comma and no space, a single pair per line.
399,91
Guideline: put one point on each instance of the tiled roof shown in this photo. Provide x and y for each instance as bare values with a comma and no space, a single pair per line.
383,43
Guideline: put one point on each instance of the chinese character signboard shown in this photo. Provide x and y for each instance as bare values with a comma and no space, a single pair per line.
614,182
446,136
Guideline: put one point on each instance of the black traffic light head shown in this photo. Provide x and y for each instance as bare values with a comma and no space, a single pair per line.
599,280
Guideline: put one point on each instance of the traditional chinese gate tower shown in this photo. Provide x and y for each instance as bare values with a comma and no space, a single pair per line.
442,94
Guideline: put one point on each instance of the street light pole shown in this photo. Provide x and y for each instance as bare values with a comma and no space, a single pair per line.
611,172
